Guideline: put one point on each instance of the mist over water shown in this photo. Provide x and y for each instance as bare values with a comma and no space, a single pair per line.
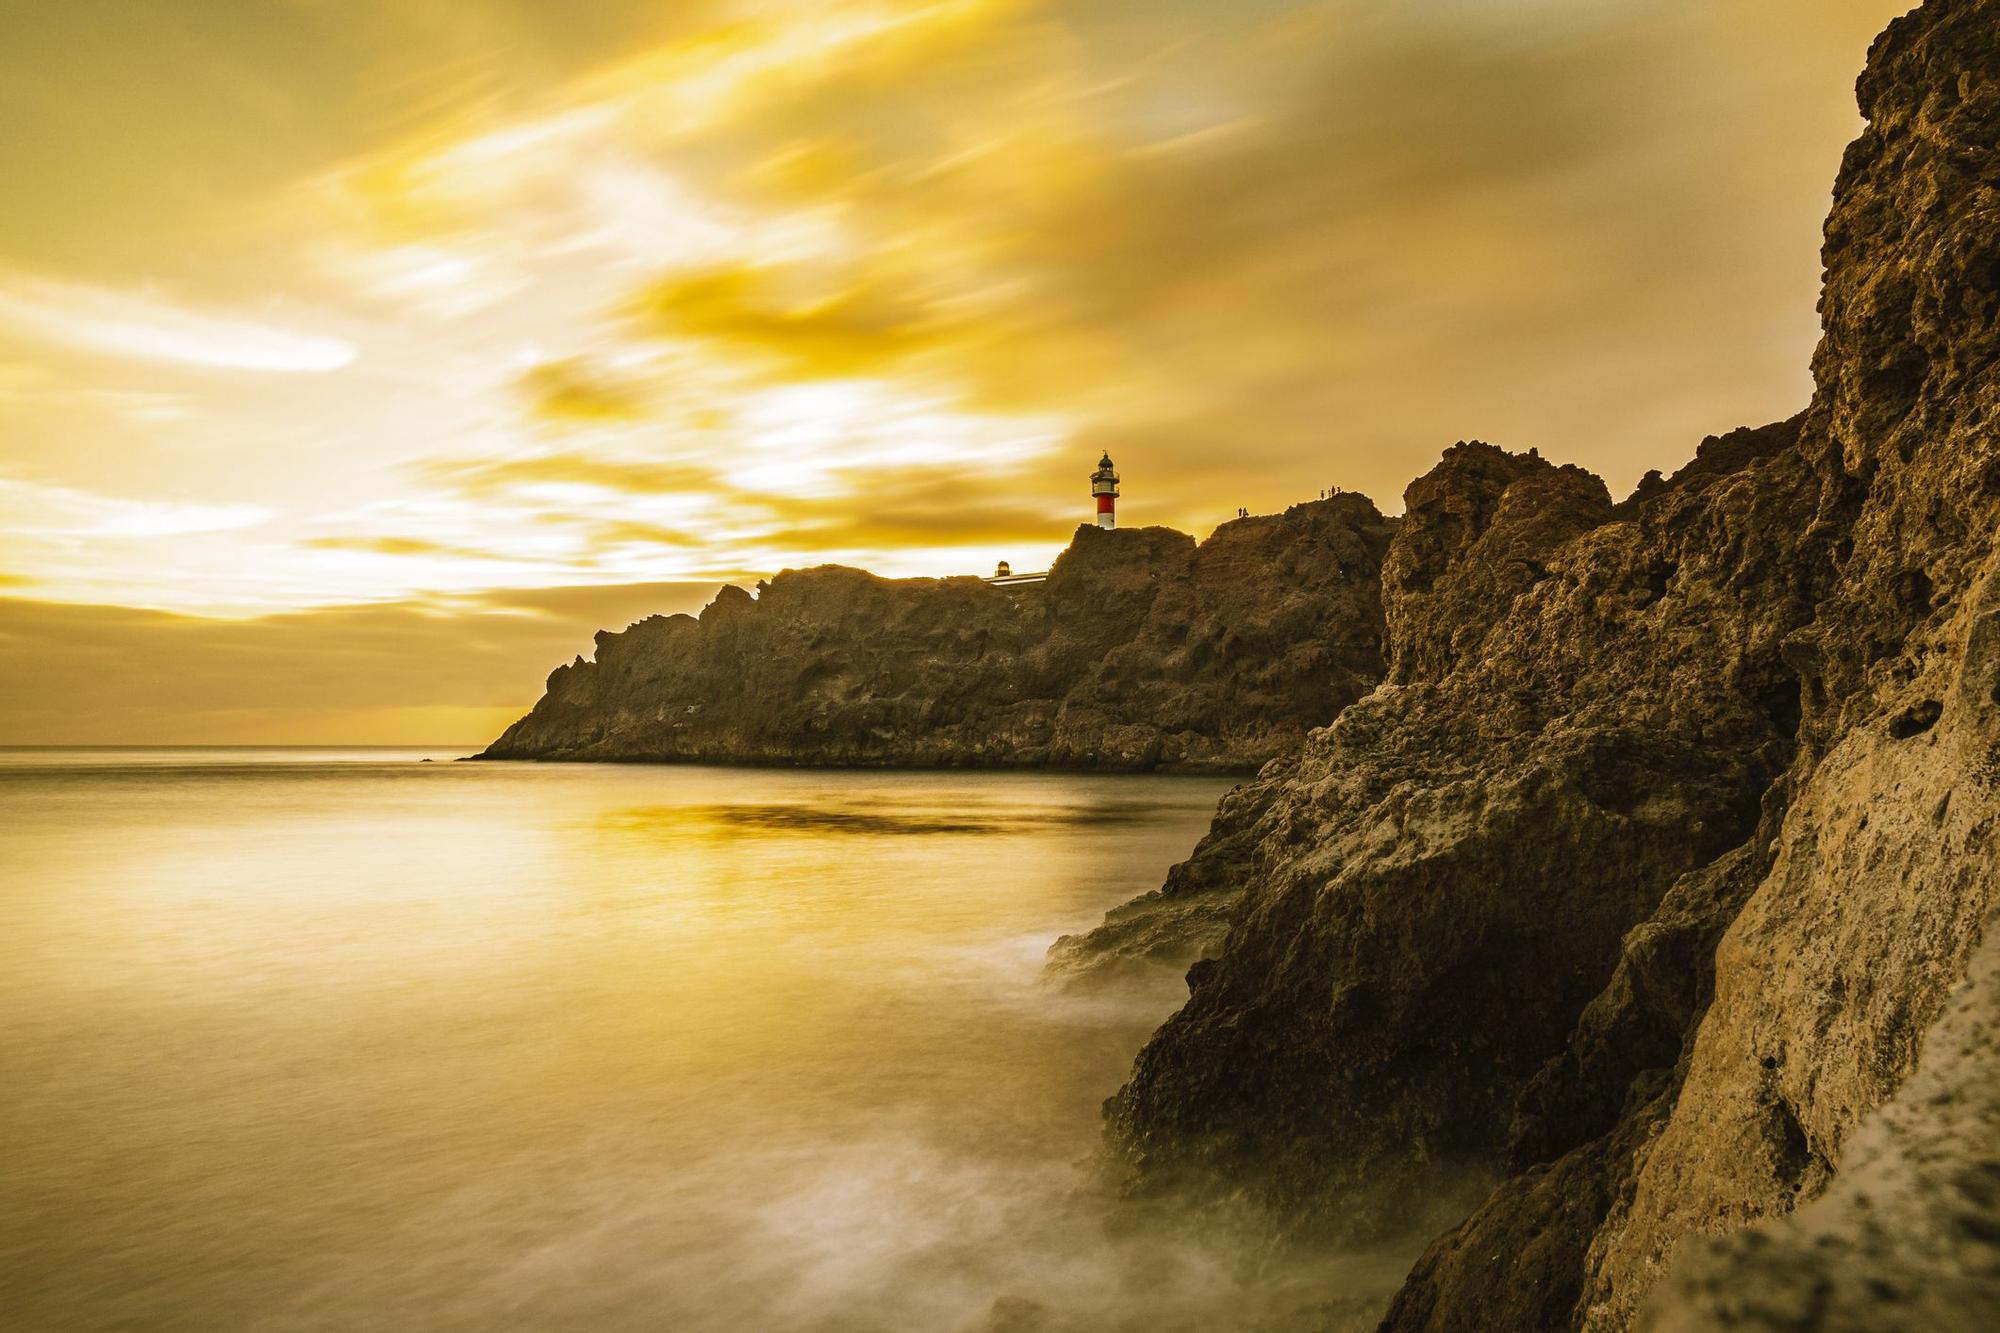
308,1039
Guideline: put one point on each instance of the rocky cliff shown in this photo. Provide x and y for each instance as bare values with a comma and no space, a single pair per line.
1142,650
1624,914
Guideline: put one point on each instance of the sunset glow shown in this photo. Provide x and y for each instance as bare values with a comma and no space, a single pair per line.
418,312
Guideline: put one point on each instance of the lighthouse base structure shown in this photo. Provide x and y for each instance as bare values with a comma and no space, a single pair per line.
1107,512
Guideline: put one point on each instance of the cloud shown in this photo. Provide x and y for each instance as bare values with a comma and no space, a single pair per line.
400,546
148,328
571,391
489,476
818,330
626,532
608,607
924,506
34,509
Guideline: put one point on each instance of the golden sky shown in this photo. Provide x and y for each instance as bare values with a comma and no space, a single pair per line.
358,358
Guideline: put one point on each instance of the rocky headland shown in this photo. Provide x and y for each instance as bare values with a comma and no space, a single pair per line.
1142,650
1631,929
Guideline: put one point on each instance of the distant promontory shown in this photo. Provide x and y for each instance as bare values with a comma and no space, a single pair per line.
1142,650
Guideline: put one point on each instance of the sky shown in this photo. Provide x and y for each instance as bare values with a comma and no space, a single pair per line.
360,358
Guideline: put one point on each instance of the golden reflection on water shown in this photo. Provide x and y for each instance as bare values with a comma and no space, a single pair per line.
305,1040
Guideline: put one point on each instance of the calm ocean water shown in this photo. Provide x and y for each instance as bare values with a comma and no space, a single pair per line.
298,1039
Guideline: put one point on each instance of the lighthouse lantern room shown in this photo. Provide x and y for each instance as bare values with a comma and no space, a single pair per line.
1104,485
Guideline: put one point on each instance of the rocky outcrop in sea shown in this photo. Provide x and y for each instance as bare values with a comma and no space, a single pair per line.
1142,650
1631,930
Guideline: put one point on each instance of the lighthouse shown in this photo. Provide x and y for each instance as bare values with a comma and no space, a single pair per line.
1104,485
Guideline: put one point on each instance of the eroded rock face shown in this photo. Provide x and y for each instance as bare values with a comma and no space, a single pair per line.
1828,978
1638,887
1905,1238
1439,883
1142,650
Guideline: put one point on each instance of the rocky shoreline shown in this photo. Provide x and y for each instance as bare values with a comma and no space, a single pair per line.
1642,904
1618,893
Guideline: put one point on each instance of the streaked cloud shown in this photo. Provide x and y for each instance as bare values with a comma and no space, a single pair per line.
487,476
572,391
399,546
29,509
149,328
817,331
628,533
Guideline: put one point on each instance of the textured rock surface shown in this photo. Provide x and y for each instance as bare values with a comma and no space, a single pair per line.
1638,886
1142,650
1908,1236
1439,884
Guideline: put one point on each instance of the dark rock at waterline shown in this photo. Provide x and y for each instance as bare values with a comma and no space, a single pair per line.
1184,920
1637,892
1143,650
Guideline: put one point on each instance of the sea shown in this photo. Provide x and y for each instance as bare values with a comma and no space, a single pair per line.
377,1039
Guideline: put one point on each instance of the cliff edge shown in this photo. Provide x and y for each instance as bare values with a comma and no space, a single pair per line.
1143,650
1630,927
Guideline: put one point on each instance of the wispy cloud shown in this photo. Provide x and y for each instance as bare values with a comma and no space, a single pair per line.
400,546
486,477
572,391
150,328
814,331
32,509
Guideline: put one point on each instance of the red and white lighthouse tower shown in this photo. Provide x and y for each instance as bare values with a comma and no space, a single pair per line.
1104,485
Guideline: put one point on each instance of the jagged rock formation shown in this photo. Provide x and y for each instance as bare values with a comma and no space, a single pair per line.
1142,650
1634,890
1438,885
